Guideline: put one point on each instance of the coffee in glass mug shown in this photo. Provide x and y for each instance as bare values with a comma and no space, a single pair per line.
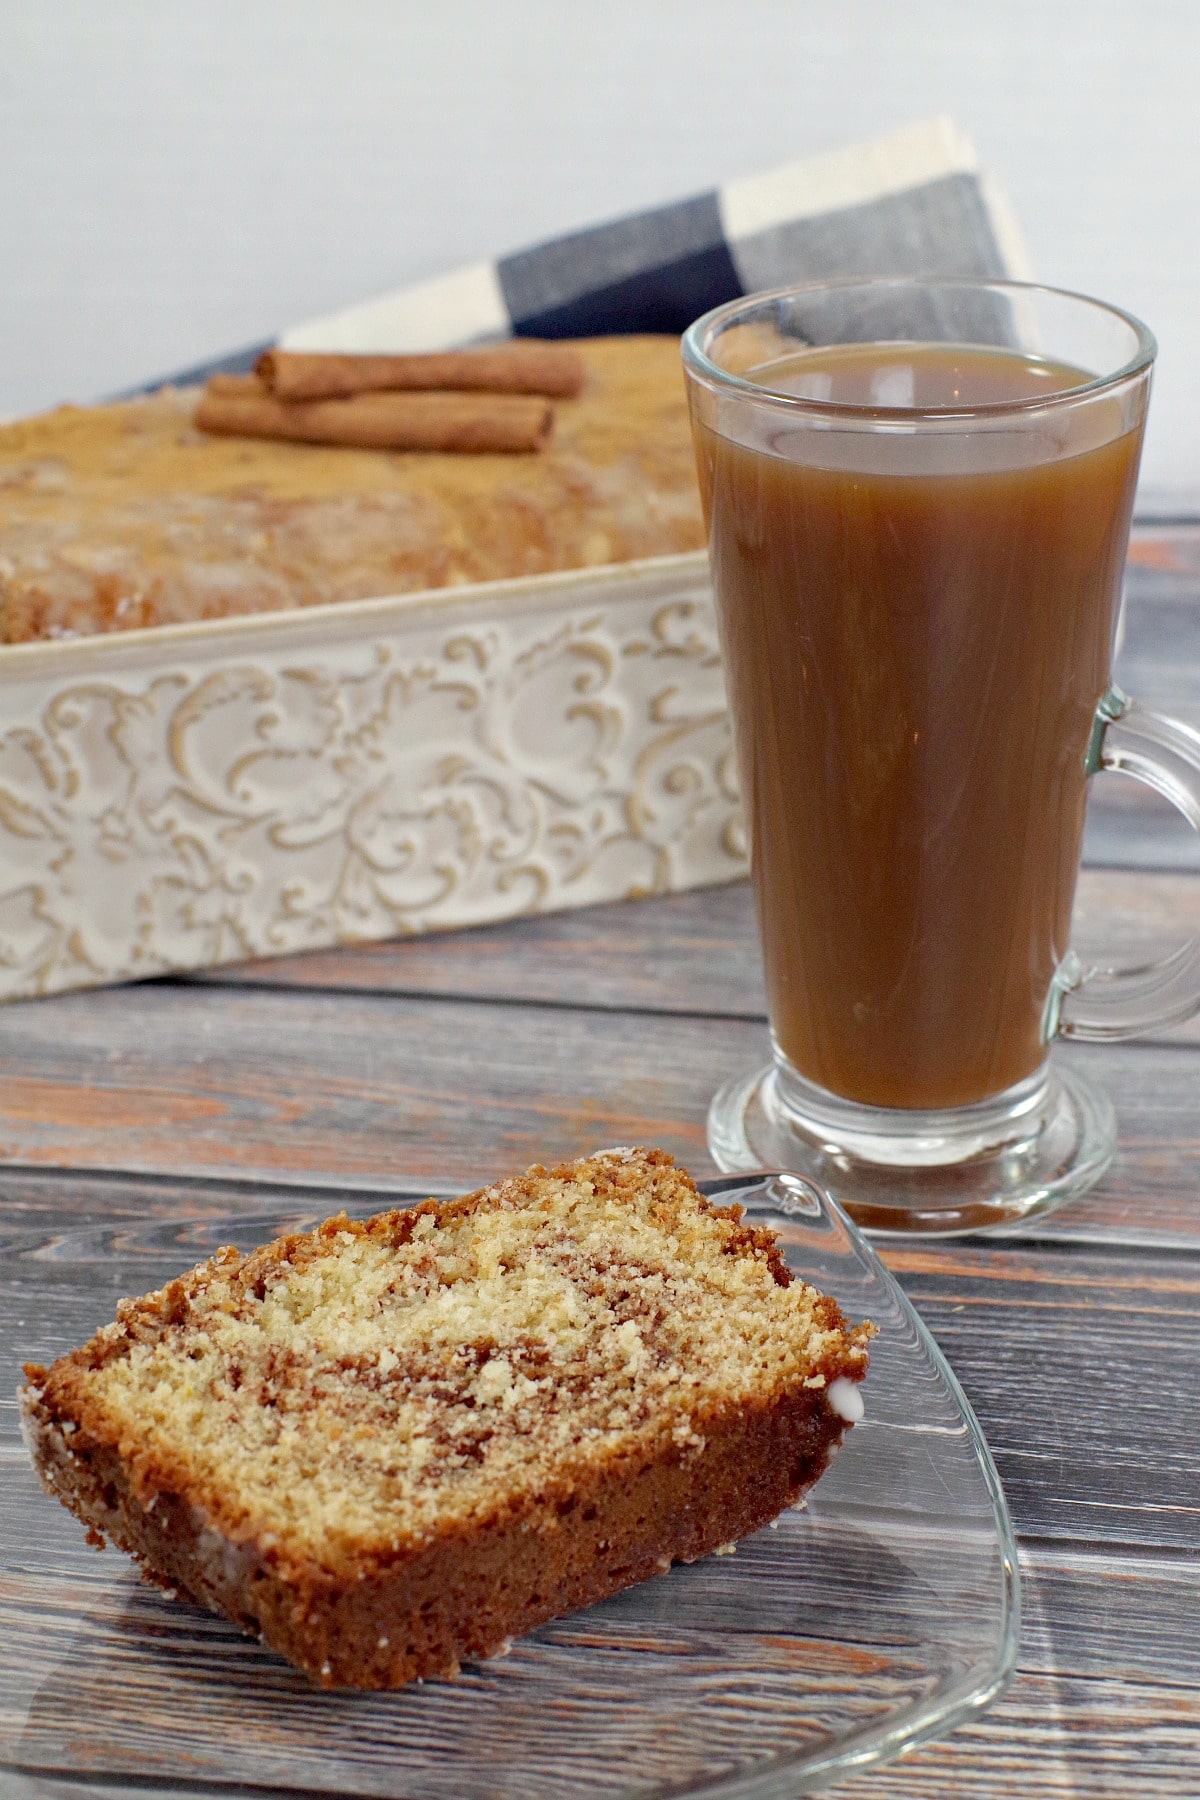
918,498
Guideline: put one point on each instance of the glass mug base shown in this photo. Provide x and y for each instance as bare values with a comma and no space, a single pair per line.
975,1168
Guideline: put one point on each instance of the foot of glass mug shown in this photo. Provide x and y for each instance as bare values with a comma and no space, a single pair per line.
970,1169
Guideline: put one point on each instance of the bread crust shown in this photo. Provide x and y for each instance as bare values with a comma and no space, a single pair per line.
468,1594
418,1607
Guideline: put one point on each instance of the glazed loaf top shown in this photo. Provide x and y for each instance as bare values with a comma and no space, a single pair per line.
121,516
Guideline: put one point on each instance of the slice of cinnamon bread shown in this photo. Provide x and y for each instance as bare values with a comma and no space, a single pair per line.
390,1445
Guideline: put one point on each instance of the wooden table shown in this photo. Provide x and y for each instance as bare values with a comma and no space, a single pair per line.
447,1060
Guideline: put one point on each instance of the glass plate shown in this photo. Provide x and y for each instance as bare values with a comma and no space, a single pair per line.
882,1614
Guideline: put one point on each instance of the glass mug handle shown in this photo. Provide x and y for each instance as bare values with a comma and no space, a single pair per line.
1098,1001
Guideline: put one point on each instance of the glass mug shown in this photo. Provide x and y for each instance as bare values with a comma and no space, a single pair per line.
918,497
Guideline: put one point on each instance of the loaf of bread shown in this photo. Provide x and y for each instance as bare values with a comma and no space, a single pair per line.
389,1446
124,516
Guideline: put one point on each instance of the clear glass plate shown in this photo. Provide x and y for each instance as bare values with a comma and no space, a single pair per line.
882,1614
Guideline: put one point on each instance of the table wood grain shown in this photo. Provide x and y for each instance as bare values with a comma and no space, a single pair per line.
431,1064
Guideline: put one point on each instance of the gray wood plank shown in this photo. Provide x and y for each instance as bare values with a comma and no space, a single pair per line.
1130,827
1092,1436
684,953
40,1206
374,1092
1164,562
688,953
1056,1737
1108,1458
1081,1366
1105,1702
1129,1617
1159,664
1159,651
1059,1349
1105,1690
330,1089
1048,1738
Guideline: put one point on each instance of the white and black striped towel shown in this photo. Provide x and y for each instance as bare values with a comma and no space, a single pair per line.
909,204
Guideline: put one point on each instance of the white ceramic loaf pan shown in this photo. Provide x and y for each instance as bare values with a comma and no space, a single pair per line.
178,798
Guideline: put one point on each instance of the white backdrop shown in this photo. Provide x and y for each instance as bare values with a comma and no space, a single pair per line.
177,179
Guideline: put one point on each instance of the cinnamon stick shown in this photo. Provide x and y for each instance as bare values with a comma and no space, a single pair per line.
236,385
524,366
468,422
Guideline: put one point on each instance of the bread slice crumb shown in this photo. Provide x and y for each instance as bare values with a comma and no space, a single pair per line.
392,1445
